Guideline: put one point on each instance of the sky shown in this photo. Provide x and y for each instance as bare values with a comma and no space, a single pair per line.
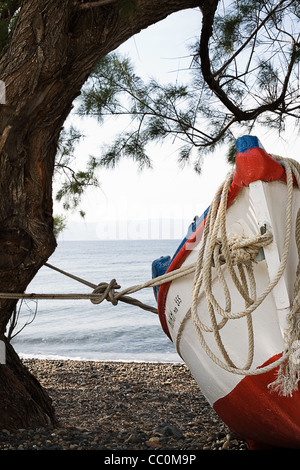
159,202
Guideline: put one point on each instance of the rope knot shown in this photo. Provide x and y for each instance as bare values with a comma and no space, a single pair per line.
106,292
243,249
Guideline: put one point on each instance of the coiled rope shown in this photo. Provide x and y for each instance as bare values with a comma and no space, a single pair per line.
104,291
209,257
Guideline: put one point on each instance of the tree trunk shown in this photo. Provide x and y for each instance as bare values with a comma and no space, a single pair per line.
53,50
24,403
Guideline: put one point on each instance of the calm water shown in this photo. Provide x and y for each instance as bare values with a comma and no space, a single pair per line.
77,329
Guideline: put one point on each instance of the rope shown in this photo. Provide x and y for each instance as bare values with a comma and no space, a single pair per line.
288,374
104,291
237,254
209,257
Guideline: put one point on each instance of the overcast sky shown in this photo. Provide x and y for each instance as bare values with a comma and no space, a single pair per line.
157,203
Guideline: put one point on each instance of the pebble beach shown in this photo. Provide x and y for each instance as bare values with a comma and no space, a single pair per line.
123,406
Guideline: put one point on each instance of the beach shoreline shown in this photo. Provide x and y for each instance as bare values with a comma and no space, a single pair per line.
103,405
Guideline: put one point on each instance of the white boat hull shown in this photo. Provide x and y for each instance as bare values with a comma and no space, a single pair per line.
244,402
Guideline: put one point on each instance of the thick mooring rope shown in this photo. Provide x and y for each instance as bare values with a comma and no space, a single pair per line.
209,257
216,250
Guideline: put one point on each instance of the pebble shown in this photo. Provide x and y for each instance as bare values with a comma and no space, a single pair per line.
117,406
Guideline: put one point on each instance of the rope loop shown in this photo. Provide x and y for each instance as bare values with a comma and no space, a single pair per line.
107,292
239,254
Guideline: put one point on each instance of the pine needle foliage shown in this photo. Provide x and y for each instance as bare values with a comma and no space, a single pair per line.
244,70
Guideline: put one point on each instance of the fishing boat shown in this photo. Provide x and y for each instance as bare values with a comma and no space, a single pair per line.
229,299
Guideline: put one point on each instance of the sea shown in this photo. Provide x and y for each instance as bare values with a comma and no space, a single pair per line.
81,330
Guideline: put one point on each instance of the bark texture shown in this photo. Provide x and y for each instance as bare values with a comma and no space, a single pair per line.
53,50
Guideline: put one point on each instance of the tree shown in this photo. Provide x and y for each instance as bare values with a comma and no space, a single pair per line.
49,49
244,70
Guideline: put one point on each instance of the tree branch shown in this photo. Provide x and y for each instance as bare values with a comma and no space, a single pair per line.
238,113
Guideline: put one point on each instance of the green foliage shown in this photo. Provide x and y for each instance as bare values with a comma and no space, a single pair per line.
254,52
229,31
59,222
246,71
157,112
72,182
